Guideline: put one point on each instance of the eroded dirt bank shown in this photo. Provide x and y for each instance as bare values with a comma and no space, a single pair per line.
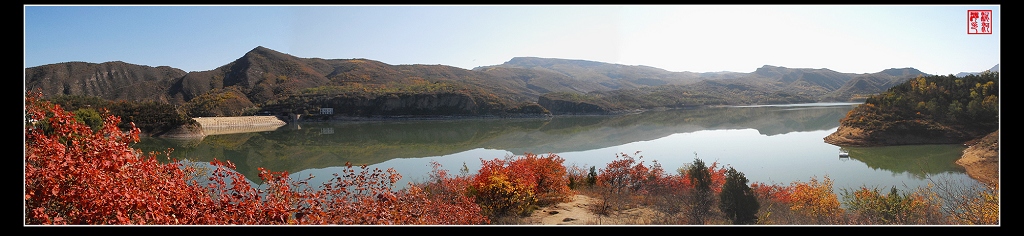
981,159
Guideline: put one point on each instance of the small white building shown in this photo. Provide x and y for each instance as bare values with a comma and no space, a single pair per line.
326,111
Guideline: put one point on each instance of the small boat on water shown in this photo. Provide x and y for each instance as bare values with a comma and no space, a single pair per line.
843,154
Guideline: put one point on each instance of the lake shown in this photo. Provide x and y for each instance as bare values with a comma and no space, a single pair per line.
769,144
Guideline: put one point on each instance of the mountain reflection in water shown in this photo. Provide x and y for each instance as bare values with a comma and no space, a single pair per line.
410,144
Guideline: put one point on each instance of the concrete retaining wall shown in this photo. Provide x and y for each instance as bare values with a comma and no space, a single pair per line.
238,124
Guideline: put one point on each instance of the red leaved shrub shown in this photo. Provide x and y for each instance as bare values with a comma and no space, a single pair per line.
511,186
74,175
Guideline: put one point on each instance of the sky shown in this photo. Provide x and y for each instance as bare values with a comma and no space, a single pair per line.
694,38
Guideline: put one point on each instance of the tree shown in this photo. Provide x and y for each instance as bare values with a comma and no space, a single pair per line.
592,176
701,197
89,117
737,200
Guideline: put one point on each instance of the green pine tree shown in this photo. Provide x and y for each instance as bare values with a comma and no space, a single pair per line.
701,198
737,200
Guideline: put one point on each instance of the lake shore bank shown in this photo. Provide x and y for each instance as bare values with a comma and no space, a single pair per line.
981,159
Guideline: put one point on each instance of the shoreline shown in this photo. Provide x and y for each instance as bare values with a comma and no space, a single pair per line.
426,117
465,117
981,159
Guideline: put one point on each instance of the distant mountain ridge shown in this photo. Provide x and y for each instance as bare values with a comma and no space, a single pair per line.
270,81
114,80
962,74
617,85
602,76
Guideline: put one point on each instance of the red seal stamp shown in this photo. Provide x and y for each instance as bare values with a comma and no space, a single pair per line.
979,21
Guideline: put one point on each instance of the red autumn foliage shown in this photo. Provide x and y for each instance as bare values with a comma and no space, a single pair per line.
510,186
628,174
774,192
74,175
551,177
718,175
80,176
366,198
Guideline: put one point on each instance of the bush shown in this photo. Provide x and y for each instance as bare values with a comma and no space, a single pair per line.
627,175
816,200
737,200
89,117
76,176
515,185
962,203
872,207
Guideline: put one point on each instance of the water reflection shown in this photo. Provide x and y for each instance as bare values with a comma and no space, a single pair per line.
784,143
919,161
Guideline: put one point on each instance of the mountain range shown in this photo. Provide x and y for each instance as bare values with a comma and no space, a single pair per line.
993,69
265,80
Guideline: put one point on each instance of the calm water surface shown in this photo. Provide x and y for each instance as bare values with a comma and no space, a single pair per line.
769,144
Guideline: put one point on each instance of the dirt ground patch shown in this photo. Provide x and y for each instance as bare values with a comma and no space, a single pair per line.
981,160
579,212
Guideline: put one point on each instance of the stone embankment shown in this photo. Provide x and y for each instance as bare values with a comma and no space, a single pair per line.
238,124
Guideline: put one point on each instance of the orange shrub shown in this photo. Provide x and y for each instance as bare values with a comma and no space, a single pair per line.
512,185
816,199
552,177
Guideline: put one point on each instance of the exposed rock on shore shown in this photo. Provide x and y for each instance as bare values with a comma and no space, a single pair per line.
911,132
848,136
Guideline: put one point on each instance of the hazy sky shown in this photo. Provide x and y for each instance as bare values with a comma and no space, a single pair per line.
696,38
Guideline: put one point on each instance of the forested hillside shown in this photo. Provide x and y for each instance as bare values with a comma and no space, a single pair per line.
932,109
150,117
